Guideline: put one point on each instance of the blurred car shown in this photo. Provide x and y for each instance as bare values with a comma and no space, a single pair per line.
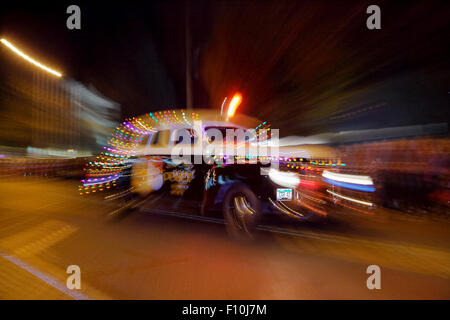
240,188
202,163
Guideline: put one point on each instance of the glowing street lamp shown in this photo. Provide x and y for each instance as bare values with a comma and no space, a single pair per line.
234,104
29,59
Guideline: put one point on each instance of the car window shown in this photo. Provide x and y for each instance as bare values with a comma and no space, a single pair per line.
185,136
155,138
161,138
146,140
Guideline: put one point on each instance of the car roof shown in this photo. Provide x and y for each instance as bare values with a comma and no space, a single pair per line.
182,118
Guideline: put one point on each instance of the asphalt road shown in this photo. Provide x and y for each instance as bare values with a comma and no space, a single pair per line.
46,226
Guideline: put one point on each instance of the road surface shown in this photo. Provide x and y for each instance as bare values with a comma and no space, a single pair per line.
46,226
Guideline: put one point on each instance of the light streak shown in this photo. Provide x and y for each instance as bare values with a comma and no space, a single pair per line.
369,204
349,178
234,103
285,179
29,59
223,103
351,186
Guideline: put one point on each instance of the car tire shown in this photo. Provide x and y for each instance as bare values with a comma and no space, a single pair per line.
241,211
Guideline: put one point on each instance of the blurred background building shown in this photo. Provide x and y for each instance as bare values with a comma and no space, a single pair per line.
47,116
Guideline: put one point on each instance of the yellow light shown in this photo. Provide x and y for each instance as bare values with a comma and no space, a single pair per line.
29,59
234,103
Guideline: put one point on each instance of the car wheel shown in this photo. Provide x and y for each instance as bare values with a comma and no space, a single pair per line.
241,210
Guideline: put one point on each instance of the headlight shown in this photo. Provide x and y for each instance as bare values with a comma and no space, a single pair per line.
285,179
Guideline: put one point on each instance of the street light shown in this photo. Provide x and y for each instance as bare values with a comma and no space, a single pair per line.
29,59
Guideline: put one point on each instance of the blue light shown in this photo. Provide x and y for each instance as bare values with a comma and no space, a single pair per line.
350,185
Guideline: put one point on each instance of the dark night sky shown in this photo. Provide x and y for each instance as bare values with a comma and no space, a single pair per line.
300,64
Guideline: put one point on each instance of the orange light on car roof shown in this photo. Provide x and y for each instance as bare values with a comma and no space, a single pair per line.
234,104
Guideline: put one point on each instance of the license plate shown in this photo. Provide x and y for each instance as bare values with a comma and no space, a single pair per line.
284,194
